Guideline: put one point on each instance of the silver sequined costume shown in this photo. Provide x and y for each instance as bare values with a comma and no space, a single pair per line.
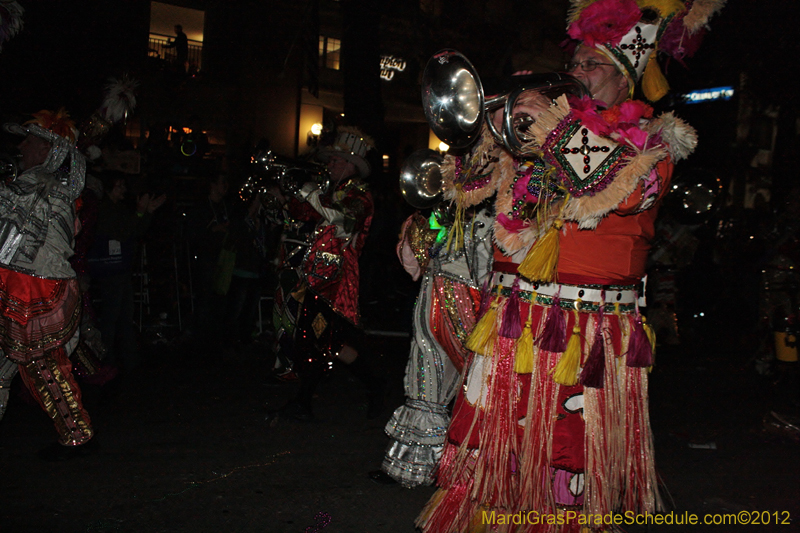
418,428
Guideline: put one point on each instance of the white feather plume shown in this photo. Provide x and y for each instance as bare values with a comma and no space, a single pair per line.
120,99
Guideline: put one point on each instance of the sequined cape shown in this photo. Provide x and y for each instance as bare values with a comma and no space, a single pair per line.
37,224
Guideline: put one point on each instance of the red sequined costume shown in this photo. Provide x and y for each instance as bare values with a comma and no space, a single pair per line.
330,266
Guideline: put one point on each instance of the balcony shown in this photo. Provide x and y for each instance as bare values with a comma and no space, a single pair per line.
157,49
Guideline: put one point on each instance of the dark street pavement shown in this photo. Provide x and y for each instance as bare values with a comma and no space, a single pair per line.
183,446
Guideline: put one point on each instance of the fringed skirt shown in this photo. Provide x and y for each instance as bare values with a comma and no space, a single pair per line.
551,429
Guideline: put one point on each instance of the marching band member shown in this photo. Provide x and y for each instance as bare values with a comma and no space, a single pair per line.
554,410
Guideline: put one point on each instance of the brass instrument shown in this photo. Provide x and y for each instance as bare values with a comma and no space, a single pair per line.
271,170
455,106
421,178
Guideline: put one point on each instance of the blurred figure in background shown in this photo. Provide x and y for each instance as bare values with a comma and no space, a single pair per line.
207,231
181,45
117,235
248,238
329,325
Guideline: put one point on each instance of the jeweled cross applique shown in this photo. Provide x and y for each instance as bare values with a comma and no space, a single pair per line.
585,150
585,162
638,46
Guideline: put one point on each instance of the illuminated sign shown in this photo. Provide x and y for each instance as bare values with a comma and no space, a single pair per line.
390,65
708,95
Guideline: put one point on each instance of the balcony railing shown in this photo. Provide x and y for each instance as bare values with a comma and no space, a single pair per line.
157,49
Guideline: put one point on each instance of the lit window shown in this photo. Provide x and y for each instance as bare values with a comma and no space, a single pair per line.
329,52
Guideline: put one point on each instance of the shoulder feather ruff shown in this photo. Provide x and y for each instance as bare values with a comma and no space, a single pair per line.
680,137
482,161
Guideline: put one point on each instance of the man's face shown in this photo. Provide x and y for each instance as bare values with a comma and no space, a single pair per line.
34,151
605,82
340,168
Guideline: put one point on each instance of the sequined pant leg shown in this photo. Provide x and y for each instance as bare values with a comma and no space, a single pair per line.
8,369
49,379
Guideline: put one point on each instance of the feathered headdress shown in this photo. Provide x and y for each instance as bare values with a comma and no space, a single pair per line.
59,122
10,20
631,32
118,102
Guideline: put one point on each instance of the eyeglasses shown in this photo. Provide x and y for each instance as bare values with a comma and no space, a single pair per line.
587,65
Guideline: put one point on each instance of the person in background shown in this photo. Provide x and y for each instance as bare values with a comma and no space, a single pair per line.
117,233
296,221
207,232
249,243
181,45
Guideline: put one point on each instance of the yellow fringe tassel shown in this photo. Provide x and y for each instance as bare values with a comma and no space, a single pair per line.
566,371
456,236
654,84
542,259
485,331
523,363
478,522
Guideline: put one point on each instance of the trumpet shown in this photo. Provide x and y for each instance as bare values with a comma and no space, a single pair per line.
455,107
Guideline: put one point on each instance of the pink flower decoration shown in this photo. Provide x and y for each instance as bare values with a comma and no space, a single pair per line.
634,135
585,110
521,190
512,226
631,111
605,22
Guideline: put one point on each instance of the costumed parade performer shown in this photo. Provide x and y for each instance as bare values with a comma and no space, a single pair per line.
41,302
554,413
329,325
297,221
444,314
